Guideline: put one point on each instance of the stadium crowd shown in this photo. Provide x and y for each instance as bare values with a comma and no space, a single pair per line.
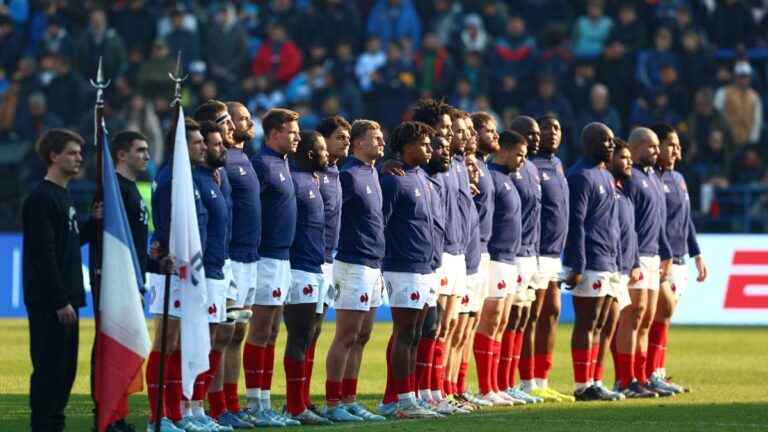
624,63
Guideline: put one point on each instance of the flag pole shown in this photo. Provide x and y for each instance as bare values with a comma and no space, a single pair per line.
96,246
176,104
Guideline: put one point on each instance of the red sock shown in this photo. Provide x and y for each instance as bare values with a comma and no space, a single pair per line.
542,365
217,403
655,345
593,360
214,359
232,398
349,387
198,390
481,349
506,354
333,391
390,394
437,367
516,352
153,370
461,383
663,355
581,361
269,364
309,363
412,382
447,386
526,368
173,387
402,386
615,356
625,369
495,365
253,365
640,359
294,383
425,351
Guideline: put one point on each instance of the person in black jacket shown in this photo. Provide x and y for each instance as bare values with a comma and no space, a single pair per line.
53,278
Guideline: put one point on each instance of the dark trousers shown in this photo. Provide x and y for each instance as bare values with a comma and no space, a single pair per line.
53,348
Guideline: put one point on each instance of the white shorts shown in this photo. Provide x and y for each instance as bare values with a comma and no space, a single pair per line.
245,276
325,295
273,283
229,278
305,287
437,281
407,290
356,287
454,270
527,269
594,284
550,270
679,280
470,298
157,294
216,302
621,289
502,280
649,274
476,302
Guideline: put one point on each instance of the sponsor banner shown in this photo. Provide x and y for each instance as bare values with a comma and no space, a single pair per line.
735,292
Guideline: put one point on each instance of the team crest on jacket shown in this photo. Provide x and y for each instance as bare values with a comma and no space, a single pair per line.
197,194
368,189
666,189
544,176
518,174
213,194
645,183
601,189
282,177
325,179
242,171
507,186
416,193
311,194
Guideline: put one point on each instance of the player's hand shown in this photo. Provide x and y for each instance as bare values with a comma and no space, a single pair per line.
156,250
394,167
474,190
67,315
665,268
168,265
573,279
97,211
701,267
634,275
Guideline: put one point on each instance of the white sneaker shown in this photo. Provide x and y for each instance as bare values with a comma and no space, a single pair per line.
494,399
509,398
414,411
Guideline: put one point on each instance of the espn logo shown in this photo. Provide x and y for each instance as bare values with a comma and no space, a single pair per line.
748,282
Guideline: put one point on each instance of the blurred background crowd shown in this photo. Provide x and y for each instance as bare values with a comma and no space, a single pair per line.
699,65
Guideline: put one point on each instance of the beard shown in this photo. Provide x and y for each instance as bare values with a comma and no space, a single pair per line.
243,135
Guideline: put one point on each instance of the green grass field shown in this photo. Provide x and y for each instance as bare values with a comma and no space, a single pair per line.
727,367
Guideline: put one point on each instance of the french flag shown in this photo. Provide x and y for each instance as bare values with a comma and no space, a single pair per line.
123,340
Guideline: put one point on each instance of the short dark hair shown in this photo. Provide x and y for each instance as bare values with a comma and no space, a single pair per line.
510,139
662,130
619,144
123,141
408,132
430,110
308,141
208,127
276,118
208,110
55,140
328,125
545,118
190,126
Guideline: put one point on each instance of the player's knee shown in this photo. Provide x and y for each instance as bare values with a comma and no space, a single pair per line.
429,327
363,339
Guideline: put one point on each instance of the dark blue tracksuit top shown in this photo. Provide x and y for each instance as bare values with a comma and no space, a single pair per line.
681,233
408,221
504,244
308,248
226,190
554,205
215,204
361,239
484,202
453,224
593,224
161,207
645,191
330,189
472,256
526,180
278,199
459,166
630,258
246,207
437,198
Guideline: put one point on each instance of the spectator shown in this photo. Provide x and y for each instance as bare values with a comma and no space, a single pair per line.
474,39
685,23
538,14
548,101
445,21
495,16
475,74
732,25
713,162
11,44
303,86
44,12
164,26
99,42
226,51
66,92
135,23
28,80
600,110
392,84
512,62
330,22
31,125
392,20
628,30
649,67
581,85
591,31
343,66
617,73
750,167
679,99
369,62
697,61
741,106
282,12
462,98
55,40
153,75
653,109
435,68
263,95
139,116
182,40
556,60
704,120
278,57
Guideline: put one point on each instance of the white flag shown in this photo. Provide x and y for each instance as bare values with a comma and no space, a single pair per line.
185,247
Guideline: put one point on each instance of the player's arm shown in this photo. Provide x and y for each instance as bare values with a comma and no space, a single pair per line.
578,199
389,189
695,251
42,241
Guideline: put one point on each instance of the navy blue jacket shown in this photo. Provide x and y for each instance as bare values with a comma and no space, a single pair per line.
554,205
226,190
408,224
593,225
246,207
681,233
630,258
453,224
484,202
361,239
161,207
459,167
308,248
437,198
644,189
526,180
330,189
215,251
472,256
278,199
504,244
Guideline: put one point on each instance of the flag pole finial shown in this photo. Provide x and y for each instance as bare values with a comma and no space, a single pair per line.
100,85
178,79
